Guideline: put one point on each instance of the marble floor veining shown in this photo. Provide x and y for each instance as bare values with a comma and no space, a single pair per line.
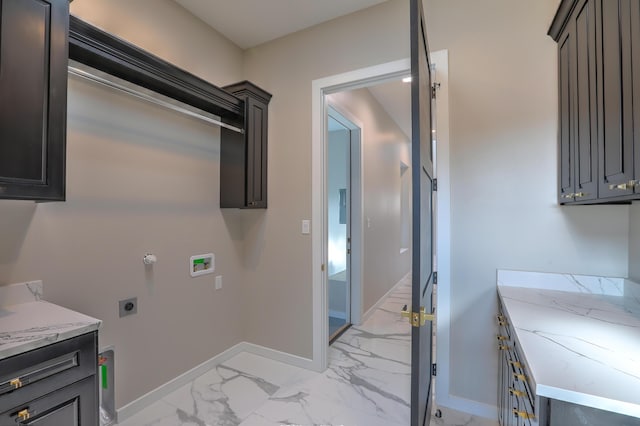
367,383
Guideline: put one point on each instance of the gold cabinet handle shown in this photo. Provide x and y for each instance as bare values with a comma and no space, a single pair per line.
503,347
24,415
500,317
515,364
571,195
523,414
580,194
501,338
515,392
16,383
624,186
520,377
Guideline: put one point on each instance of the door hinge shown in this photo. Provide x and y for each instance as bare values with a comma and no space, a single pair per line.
434,90
434,370
434,184
435,277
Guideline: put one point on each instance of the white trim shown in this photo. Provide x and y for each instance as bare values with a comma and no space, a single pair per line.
469,406
319,88
443,234
371,310
187,377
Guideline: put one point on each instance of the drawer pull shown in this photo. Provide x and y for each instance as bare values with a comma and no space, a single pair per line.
24,415
624,186
16,383
503,347
520,377
515,364
516,392
523,414
580,194
568,195
499,337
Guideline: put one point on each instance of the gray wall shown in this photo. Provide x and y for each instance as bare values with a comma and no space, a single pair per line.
503,130
279,257
139,179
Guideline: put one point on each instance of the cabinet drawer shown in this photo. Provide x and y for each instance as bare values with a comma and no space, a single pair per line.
40,371
73,405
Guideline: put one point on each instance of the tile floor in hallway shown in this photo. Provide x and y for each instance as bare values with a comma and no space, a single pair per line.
367,384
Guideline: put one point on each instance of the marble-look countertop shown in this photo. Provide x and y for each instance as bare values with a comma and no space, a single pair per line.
580,336
27,322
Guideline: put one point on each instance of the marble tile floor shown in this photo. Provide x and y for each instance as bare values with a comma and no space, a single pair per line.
367,383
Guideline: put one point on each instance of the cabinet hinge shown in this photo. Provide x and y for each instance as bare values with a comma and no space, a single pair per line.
434,184
434,370
435,277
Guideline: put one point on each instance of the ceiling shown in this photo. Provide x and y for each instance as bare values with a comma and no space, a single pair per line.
249,23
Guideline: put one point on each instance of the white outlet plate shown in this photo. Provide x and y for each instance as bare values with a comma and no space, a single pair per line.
218,282
202,264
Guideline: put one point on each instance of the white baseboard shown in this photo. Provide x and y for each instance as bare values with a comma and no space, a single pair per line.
337,314
172,385
468,406
380,301
296,361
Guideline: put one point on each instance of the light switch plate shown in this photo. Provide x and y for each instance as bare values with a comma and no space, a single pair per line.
306,226
218,282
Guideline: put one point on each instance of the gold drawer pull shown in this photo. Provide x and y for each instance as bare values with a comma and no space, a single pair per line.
515,364
568,195
24,415
624,186
580,194
499,337
523,414
503,347
515,392
16,383
520,377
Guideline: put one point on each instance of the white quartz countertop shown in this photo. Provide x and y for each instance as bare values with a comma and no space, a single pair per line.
581,344
36,323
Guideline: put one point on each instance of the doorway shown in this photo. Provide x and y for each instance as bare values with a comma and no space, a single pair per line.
343,141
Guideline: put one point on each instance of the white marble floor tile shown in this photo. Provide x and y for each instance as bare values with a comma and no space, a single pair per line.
367,383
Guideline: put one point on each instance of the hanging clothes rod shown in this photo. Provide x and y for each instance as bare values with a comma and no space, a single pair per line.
105,82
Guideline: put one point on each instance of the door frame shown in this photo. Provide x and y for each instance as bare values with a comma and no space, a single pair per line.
361,78
319,89
355,210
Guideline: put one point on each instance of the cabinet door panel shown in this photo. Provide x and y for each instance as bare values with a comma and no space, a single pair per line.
635,63
585,116
33,90
616,152
565,177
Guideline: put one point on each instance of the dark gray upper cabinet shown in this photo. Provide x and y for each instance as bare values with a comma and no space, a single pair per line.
33,98
243,157
599,100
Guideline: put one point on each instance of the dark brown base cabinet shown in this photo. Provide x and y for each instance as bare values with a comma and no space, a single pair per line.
599,100
51,386
33,98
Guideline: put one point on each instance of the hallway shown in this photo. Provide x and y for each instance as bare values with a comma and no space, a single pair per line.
367,383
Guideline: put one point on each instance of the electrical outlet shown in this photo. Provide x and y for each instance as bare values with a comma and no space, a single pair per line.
128,307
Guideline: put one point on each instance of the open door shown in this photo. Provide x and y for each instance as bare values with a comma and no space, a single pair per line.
422,179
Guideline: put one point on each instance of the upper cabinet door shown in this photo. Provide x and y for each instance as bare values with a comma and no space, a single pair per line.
566,65
33,94
585,120
616,132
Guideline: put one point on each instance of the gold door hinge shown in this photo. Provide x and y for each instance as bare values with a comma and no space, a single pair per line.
417,319
523,414
515,392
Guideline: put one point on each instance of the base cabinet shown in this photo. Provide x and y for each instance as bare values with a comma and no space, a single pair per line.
69,406
54,385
